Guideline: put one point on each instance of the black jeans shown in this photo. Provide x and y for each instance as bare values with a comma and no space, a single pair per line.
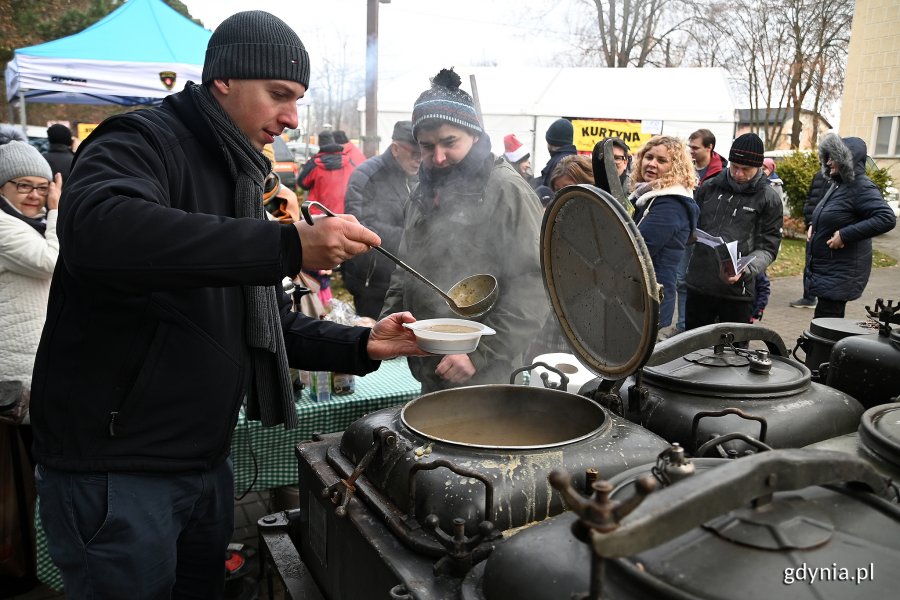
704,310
830,308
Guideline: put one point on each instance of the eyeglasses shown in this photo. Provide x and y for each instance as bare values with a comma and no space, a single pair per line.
618,158
23,187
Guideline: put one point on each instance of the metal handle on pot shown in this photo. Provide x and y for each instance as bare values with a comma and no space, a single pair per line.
714,335
563,380
695,423
801,345
430,466
687,504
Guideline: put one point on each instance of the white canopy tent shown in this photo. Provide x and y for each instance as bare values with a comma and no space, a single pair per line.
138,54
525,101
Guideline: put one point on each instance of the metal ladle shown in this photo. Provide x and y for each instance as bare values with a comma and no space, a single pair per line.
472,297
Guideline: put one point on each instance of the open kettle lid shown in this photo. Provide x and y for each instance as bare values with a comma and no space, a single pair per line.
879,431
600,279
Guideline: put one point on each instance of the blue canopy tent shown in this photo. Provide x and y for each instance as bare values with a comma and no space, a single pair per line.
138,54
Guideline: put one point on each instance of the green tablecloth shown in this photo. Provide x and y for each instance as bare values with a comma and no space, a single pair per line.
264,456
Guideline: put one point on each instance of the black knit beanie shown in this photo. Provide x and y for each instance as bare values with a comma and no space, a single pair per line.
747,150
446,102
560,133
255,45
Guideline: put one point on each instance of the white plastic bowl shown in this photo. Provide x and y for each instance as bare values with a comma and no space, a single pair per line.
436,335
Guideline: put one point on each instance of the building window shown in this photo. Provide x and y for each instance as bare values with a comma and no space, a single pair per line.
885,136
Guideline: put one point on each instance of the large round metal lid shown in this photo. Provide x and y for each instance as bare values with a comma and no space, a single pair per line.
600,279
727,373
879,431
835,329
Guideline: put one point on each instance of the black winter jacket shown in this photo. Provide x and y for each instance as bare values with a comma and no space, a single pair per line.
555,157
817,190
60,158
143,361
376,194
854,206
752,216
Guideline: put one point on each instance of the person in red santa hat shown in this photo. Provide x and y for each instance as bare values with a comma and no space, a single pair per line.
518,156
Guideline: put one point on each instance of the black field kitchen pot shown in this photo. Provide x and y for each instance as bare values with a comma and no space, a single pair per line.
413,496
868,366
817,341
780,524
877,441
698,386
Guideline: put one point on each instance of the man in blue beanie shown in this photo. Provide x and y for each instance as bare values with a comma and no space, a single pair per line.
166,314
559,136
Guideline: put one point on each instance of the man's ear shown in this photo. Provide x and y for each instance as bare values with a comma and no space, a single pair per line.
221,85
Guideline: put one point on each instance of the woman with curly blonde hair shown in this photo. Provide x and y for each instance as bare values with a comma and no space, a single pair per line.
665,212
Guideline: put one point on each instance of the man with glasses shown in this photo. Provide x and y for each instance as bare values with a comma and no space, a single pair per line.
622,157
739,205
376,193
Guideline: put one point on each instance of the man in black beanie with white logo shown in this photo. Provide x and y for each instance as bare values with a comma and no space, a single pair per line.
738,205
165,314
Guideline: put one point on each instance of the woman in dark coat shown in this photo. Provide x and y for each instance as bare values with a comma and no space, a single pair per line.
851,213
665,211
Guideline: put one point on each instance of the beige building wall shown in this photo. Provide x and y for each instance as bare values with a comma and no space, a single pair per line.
872,81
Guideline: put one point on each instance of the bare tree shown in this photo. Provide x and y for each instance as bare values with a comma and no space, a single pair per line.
339,84
746,38
819,32
789,55
635,33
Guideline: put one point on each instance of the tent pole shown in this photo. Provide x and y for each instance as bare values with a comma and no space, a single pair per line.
22,112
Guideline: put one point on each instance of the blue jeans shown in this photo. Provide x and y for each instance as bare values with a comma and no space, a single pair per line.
138,535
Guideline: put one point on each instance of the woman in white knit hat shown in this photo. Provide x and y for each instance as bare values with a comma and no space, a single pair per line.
28,249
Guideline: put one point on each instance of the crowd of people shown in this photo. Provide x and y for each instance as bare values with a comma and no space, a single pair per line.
141,280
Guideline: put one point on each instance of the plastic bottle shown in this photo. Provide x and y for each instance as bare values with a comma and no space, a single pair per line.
321,385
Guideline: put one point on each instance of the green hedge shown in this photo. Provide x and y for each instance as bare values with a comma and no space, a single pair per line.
797,172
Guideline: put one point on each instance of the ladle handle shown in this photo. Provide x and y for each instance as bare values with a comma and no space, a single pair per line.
304,209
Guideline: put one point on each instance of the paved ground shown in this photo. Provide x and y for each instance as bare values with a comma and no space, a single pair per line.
789,322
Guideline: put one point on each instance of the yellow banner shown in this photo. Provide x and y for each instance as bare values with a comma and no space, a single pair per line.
85,129
635,133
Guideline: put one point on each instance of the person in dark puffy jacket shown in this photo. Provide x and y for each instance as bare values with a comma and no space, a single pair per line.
817,190
851,213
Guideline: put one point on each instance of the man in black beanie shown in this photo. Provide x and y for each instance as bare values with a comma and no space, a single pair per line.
560,142
738,205
59,154
164,317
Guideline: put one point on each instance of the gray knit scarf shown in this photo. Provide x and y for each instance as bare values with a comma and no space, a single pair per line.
271,397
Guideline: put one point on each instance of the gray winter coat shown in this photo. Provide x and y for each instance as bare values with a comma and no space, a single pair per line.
854,206
485,221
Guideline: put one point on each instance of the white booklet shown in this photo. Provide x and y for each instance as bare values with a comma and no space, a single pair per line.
730,259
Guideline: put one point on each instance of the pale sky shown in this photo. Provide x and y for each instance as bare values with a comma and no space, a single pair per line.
416,33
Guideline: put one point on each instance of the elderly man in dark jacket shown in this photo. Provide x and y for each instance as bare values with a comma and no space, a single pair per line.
376,194
739,205
59,154
851,213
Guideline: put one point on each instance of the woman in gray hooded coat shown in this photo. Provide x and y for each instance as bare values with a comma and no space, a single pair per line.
851,213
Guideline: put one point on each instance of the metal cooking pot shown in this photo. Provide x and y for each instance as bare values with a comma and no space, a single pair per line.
877,441
483,453
868,366
734,529
817,341
698,386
